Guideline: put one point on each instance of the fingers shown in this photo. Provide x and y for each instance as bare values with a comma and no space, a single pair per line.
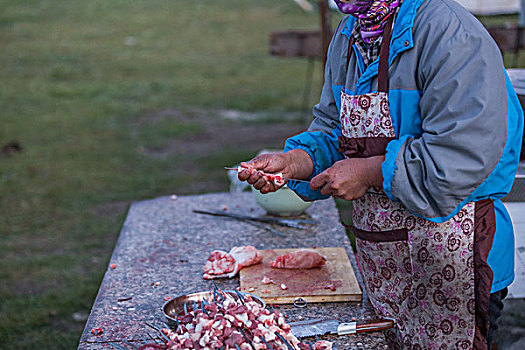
260,172
319,181
250,175
269,187
259,183
246,173
249,169
258,179
262,162
324,183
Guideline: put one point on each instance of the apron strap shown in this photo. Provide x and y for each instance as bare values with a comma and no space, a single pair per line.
349,52
383,55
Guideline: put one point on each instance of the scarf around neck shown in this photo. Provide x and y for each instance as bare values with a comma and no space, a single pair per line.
371,14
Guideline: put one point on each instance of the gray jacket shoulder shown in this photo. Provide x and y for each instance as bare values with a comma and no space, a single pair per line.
440,16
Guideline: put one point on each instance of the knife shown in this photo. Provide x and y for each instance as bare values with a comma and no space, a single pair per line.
294,223
313,327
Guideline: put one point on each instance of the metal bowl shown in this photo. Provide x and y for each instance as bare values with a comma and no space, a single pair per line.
183,304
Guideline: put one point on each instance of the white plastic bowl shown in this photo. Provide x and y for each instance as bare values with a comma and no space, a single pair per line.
283,202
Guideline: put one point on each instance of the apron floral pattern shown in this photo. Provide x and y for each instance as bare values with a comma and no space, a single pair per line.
417,272
366,115
426,281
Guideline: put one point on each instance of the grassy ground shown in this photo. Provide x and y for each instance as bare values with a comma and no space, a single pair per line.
113,102
117,101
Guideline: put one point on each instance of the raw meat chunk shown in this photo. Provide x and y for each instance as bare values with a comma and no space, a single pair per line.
299,259
266,280
323,345
246,256
221,264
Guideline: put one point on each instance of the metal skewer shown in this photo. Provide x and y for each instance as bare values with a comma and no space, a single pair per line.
151,337
117,346
266,343
130,344
288,345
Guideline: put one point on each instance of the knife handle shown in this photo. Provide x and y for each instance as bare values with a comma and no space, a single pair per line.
361,327
374,325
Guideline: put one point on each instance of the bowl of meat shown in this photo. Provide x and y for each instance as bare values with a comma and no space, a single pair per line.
176,308
283,202
227,320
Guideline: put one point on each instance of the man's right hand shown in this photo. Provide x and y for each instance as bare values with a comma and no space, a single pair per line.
295,164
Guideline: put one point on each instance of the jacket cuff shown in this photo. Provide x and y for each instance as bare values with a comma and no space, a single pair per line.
389,165
302,188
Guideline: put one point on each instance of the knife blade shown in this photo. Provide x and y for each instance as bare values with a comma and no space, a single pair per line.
317,326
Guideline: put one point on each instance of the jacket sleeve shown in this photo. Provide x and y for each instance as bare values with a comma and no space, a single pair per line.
321,139
463,109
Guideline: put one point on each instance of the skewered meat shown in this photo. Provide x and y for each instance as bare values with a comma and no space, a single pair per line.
277,179
299,259
222,264
227,323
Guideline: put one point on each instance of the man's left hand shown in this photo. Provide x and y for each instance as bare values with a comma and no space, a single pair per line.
349,179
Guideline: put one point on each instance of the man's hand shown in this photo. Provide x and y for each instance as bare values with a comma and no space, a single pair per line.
295,164
349,179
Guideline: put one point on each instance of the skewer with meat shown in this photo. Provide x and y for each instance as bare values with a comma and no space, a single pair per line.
277,179
230,324
299,259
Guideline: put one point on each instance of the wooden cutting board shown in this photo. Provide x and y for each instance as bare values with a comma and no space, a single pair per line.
310,284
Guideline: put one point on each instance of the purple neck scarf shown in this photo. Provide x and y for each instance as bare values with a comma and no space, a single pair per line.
371,14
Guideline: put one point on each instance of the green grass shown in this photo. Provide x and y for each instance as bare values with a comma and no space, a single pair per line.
94,92
84,84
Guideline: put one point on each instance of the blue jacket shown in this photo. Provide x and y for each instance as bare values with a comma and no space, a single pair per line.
457,119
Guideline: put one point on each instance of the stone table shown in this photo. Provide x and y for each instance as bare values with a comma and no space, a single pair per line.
161,251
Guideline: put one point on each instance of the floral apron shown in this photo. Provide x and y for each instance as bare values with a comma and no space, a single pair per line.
431,278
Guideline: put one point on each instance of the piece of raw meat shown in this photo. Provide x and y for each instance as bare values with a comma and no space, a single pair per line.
323,345
246,256
266,280
221,264
299,259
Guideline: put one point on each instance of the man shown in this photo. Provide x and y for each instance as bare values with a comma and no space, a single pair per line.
419,125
